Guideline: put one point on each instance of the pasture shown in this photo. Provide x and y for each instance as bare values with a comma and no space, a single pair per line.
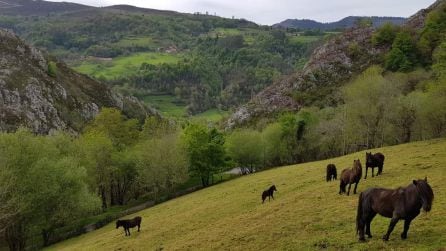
307,213
124,65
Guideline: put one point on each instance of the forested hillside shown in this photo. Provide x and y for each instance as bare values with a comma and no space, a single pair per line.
197,62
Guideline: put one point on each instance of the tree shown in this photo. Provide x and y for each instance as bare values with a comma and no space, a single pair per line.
246,148
41,187
368,100
403,56
385,35
205,149
161,164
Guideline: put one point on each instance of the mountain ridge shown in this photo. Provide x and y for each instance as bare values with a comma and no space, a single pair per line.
347,22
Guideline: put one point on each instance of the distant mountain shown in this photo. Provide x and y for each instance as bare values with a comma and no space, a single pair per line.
42,94
37,7
348,22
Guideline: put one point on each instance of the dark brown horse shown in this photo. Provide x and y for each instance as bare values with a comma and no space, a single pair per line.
127,224
399,204
332,173
350,176
268,193
372,161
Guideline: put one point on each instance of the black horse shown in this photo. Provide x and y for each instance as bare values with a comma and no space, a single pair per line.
332,173
398,204
127,224
268,193
374,160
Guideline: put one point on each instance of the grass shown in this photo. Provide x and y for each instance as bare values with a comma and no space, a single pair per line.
307,214
121,66
213,115
304,39
166,105
169,107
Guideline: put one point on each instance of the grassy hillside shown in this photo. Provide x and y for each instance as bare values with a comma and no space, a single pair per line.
308,213
123,65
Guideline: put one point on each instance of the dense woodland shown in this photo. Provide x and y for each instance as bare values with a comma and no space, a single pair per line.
49,181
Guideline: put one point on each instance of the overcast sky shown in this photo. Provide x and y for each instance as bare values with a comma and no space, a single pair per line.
274,11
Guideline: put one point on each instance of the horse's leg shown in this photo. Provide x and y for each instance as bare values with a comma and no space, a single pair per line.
366,171
406,228
139,226
373,172
272,195
349,186
356,185
393,222
340,187
369,221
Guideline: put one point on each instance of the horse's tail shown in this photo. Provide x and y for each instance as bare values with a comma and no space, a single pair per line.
359,216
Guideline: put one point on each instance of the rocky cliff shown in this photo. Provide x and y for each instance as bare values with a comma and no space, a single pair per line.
46,95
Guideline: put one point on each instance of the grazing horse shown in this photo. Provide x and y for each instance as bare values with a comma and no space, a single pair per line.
268,193
403,203
374,160
332,174
127,224
350,176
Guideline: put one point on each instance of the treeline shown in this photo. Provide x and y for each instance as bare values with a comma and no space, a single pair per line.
221,72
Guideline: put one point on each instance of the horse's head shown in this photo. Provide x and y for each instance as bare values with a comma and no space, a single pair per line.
368,158
273,188
118,223
357,164
425,192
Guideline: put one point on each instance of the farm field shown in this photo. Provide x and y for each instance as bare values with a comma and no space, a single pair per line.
307,214
124,65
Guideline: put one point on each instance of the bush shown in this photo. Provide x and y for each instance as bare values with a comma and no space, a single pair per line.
52,69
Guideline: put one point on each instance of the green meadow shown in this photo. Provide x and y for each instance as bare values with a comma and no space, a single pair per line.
307,214
124,65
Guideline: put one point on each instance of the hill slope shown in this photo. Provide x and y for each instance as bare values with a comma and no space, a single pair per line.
347,22
44,95
308,213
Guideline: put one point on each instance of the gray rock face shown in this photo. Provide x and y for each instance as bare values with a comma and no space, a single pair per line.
31,98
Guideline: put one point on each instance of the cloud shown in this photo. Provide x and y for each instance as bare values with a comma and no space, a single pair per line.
273,11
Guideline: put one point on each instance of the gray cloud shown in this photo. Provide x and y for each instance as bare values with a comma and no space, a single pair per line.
273,11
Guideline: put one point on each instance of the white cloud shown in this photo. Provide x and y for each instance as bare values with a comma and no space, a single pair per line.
273,11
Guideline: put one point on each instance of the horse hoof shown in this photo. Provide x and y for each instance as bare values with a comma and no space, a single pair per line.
362,239
370,236
385,238
403,236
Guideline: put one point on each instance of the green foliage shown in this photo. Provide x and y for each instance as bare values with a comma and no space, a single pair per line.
52,69
246,148
42,186
432,34
385,35
205,150
402,57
